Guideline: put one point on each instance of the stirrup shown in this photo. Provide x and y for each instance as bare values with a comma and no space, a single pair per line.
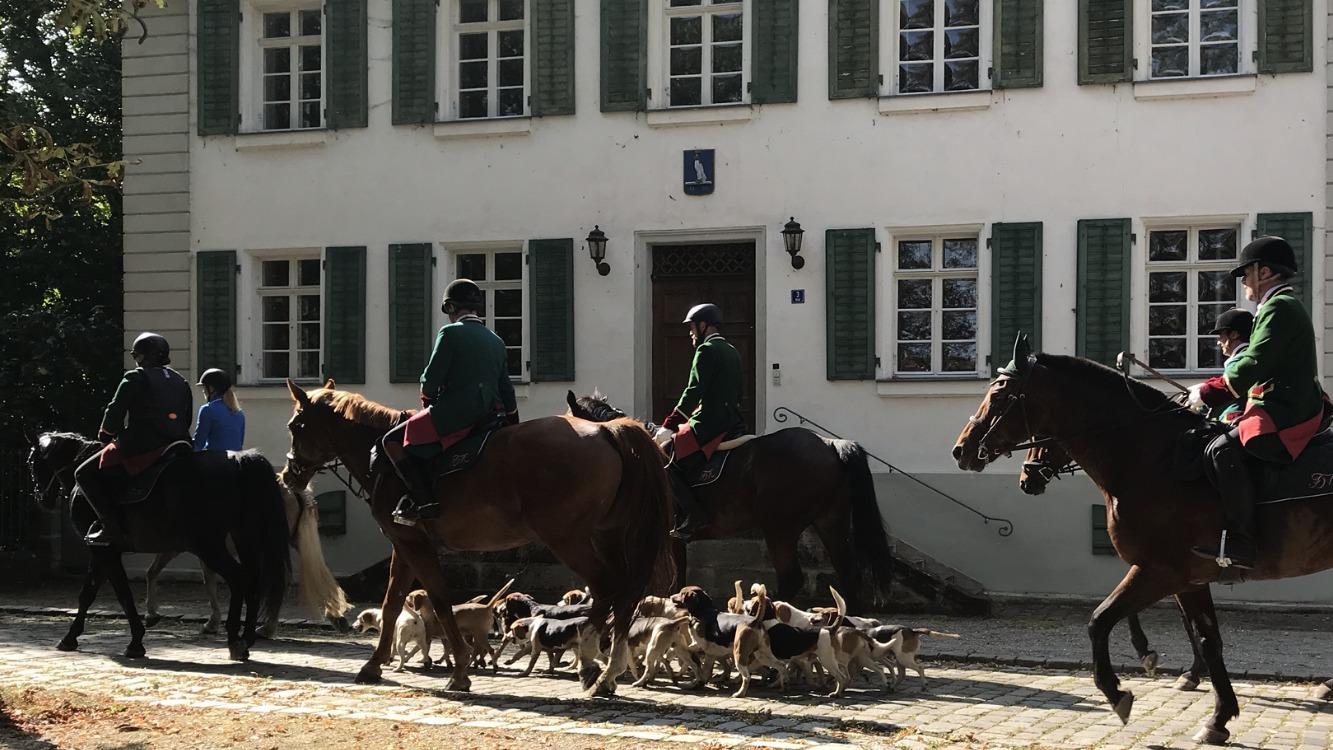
97,537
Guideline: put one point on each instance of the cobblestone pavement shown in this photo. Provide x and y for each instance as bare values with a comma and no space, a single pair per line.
308,671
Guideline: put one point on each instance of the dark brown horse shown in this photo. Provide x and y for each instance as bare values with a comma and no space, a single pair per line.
1049,461
782,484
596,494
1126,435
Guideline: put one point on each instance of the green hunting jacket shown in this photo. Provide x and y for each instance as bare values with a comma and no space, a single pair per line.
467,378
712,398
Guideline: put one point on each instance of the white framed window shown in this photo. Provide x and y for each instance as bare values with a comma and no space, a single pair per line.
288,65
1195,38
1189,283
701,56
485,58
935,46
290,317
936,303
499,273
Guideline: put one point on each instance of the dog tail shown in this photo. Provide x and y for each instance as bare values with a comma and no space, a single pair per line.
500,594
740,598
760,604
936,633
842,604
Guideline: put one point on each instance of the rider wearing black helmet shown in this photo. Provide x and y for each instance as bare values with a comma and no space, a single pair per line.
221,423
150,411
708,411
465,384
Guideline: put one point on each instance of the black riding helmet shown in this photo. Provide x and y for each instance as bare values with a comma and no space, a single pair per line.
464,294
1270,251
154,349
215,380
705,313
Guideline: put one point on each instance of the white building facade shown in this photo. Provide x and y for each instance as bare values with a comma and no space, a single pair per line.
306,178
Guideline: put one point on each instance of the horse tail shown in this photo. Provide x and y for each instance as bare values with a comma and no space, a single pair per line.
320,591
870,541
264,522
641,515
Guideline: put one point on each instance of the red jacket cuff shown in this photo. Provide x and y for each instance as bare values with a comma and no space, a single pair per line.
1214,392
673,420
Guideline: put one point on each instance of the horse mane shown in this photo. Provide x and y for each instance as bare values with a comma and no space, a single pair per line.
595,408
1113,380
361,410
72,437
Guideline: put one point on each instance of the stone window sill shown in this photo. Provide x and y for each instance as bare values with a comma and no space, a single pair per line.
943,386
281,139
710,115
1195,88
909,104
490,127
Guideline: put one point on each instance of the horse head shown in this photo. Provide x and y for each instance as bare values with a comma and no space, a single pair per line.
311,428
1002,421
51,463
594,407
1042,464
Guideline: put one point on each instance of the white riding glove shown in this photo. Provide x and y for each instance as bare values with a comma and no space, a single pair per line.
1195,401
662,437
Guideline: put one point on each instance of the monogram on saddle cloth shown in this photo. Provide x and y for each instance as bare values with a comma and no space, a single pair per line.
450,453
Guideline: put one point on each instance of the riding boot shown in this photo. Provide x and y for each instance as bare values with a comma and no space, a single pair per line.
693,517
106,530
1236,485
419,501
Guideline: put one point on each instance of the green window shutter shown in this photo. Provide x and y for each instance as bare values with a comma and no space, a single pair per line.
345,314
1105,41
551,310
553,57
773,57
1298,230
1286,36
218,78
346,34
853,48
332,509
850,303
410,306
215,311
1101,539
413,62
1018,43
1015,287
624,55
1102,315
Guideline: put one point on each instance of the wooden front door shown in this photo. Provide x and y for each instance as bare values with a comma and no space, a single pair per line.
687,275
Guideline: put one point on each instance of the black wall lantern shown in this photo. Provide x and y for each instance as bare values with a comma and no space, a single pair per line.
791,236
597,249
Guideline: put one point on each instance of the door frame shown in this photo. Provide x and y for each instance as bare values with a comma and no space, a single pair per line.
644,240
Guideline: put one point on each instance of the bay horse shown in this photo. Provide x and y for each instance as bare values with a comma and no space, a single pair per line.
595,494
783,483
200,501
1125,435
1049,461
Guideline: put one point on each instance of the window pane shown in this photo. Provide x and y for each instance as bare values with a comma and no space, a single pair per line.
958,324
275,365
277,25
510,330
510,71
916,14
916,45
511,43
1167,245
916,79
308,365
308,336
688,30
914,294
277,336
310,22
914,357
914,254
914,326
959,357
961,13
473,46
685,3
726,58
727,27
1208,317
514,358
961,43
1171,28
1210,355
472,11
1217,244
510,102
686,60
473,104
959,293
960,253
275,273
1166,353
310,115
509,303
1170,62
1167,287
310,57
1165,320
472,266
309,272
278,88
309,85
1217,59
277,116
1205,4
472,75
508,266
511,10
308,305
726,88
278,60
686,91
1170,5
1216,286
961,76
1218,26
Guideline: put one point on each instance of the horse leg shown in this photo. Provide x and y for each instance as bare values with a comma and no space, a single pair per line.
679,556
150,599
215,610
421,558
400,583
91,582
1147,657
1198,603
782,551
618,663
216,557
1189,679
835,532
1137,590
121,583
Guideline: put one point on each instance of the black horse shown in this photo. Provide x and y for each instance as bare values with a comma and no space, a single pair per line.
199,501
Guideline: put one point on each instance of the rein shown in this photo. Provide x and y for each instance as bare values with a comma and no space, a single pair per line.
331,466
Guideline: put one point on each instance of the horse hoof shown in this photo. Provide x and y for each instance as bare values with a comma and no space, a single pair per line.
1324,692
151,621
1210,736
1185,684
210,628
1150,663
134,651
68,644
1124,706
459,685
369,675
265,633
238,651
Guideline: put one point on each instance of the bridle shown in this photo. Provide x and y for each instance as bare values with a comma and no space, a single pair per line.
332,466
1046,471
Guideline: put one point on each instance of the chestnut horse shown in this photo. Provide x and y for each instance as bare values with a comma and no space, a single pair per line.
1125,435
596,494
1048,461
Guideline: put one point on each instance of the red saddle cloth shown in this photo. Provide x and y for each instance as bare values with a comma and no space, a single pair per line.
686,443
421,431
112,456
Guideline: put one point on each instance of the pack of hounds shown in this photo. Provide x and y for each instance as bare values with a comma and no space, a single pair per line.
686,636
